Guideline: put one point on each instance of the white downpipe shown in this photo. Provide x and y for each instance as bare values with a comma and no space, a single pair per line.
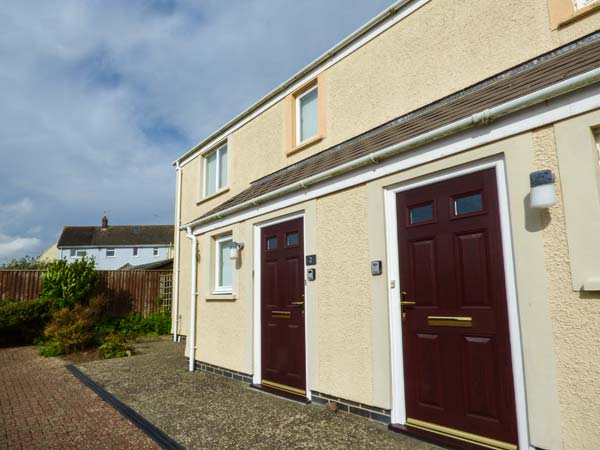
176,256
483,117
192,336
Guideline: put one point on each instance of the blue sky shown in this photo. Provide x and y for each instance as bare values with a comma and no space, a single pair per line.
99,97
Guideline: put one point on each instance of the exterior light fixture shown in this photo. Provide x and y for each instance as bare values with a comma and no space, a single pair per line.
543,192
234,249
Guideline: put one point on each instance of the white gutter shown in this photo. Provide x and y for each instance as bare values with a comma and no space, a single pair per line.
192,334
176,258
311,66
480,118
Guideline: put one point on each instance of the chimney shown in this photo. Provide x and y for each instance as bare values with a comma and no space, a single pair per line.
104,222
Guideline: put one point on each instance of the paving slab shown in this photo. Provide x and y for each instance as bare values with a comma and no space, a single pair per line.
43,406
202,410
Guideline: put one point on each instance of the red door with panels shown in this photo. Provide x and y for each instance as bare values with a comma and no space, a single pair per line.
456,343
282,307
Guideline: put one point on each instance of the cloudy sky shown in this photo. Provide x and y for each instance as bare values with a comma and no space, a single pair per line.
98,97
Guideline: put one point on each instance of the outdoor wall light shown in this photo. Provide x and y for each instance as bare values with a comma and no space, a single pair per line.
543,192
234,249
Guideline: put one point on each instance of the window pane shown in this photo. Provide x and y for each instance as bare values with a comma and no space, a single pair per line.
225,265
271,243
308,115
223,167
72,252
292,239
135,252
110,252
468,204
155,251
421,214
210,173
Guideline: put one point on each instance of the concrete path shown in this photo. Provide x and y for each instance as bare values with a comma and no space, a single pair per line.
206,411
43,406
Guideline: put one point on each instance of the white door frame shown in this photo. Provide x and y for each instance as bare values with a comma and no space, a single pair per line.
397,363
257,344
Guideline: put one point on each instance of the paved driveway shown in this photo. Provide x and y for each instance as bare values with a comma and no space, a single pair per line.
42,406
207,411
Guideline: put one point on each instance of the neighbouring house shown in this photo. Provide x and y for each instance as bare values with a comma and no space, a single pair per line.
114,246
165,264
49,254
409,227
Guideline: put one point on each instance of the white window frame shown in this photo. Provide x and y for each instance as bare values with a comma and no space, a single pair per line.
298,114
72,253
221,289
155,251
80,253
596,132
136,252
113,253
220,187
580,4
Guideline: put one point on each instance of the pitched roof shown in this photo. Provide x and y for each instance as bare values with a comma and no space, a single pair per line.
164,264
566,62
126,235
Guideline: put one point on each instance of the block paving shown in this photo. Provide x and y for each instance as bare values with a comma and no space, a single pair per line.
42,406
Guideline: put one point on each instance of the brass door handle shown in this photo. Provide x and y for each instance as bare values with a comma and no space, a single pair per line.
297,303
406,303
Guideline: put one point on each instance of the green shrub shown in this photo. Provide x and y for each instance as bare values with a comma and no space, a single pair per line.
23,322
73,329
115,346
156,324
51,348
70,283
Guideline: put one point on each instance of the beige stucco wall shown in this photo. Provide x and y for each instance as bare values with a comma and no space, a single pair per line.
574,314
441,48
345,343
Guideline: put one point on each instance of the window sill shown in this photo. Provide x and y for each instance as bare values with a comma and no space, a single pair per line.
215,297
579,14
211,196
305,144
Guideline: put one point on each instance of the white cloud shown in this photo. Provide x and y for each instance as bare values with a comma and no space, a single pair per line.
16,247
99,97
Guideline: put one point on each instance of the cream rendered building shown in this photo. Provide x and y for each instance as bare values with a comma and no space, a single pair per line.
374,231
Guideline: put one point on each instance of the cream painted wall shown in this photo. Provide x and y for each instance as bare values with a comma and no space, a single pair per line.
393,75
343,275
574,314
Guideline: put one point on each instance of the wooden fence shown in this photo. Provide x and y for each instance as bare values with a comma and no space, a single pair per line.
127,291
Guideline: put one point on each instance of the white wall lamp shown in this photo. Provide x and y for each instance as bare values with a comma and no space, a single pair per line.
234,249
543,191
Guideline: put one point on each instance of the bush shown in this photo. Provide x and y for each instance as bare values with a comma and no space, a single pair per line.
70,283
52,348
73,329
115,346
23,322
157,323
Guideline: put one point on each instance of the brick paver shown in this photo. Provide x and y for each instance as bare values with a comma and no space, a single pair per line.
42,406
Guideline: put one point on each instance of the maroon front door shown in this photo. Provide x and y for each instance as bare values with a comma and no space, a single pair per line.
282,306
456,343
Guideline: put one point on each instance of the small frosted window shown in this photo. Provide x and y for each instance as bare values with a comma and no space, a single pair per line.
272,243
468,204
292,239
423,213
215,171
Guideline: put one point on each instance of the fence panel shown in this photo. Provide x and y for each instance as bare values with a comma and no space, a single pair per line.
20,284
127,291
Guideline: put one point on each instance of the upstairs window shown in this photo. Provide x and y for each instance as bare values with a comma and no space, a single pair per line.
307,115
223,265
580,4
215,171
80,253
110,252
72,253
154,252
135,251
